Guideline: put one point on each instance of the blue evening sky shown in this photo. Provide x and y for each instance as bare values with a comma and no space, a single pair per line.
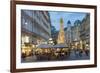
72,16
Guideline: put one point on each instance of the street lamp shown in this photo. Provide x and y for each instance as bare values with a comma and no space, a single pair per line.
51,41
26,23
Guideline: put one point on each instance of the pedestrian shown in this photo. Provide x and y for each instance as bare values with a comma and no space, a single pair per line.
80,53
76,52
87,52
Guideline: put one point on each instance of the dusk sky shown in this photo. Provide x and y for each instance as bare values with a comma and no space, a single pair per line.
72,16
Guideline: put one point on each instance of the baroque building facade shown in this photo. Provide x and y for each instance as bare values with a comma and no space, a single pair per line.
85,32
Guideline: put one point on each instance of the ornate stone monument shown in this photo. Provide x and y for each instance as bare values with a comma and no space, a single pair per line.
61,35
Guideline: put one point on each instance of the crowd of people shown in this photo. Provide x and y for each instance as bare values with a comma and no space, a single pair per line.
80,52
56,54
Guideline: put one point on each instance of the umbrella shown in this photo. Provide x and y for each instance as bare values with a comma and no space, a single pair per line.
61,45
44,46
